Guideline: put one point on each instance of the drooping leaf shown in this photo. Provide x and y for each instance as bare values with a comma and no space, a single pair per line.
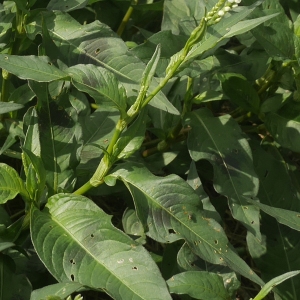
95,253
38,68
100,84
199,285
170,210
221,142
10,184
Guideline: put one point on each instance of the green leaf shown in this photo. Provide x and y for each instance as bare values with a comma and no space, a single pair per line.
68,5
274,282
12,285
60,136
10,184
62,290
247,25
97,130
170,210
284,129
280,243
221,142
132,139
6,107
89,250
199,285
283,216
38,68
100,84
240,92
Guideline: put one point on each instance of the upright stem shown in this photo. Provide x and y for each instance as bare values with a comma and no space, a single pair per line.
126,17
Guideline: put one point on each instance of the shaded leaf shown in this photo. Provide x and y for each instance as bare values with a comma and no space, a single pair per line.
95,253
6,107
283,216
67,5
221,142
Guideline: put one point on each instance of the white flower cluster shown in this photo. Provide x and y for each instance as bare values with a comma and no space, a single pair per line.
216,13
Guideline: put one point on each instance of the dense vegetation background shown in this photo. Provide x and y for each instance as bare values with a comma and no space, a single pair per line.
149,149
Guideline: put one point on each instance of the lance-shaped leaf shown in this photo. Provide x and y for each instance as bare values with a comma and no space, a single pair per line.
170,210
221,142
60,136
89,250
10,184
6,107
283,216
38,68
199,285
274,282
68,5
100,84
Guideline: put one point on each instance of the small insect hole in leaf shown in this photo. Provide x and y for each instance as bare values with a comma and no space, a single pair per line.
171,231
72,277
252,222
298,216
135,268
49,63
216,242
92,235
72,261
6,57
97,51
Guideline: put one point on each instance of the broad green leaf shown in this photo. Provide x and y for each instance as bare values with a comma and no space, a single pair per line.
6,245
283,216
10,184
21,95
131,223
221,142
100,84
67,5
199,285
240,92
62,290
280,243
89,250
274,282
6,107
132,139
38,68
96,44
170,210
60,139
12,285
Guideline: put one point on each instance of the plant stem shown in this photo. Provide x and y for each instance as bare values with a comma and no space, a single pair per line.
126,17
